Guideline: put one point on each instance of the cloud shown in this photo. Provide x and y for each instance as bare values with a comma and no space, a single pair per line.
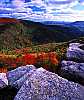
42,10
82,3
18,3
59,1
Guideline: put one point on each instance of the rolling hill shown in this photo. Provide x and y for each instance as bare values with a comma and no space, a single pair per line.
79,25
16,33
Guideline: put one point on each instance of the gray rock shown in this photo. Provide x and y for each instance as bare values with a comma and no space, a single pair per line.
2,84
75,52
44,85
16,74
76,70
18,83
3,80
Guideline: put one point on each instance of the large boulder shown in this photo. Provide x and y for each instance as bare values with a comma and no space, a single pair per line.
3,80
18,83
17,73
75,51
73,71
45,85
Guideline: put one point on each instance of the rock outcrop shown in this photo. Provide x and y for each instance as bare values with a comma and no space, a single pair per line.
75,52
73,71
73,68
45,85
40,84
16,74
3,80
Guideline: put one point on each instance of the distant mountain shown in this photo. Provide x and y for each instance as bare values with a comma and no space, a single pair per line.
79,25
55,23
21,33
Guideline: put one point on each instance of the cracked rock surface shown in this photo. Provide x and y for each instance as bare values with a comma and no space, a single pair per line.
17,73
3,80
75,52
73,70
45,85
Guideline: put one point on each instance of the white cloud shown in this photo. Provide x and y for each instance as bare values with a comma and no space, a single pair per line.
82,3
56,10
18,3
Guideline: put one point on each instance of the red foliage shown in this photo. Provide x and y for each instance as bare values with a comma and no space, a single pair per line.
43,56
17,51
13,65
53,58
31,58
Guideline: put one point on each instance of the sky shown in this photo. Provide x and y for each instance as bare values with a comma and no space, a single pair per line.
43,10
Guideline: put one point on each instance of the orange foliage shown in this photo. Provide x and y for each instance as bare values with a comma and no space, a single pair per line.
31,58
3,70
7,20
43,56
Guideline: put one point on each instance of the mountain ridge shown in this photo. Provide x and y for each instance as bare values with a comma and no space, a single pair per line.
21,33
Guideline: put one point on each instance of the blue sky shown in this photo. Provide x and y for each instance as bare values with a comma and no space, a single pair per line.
43,10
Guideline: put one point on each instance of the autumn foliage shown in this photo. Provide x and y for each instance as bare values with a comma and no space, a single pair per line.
43,58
